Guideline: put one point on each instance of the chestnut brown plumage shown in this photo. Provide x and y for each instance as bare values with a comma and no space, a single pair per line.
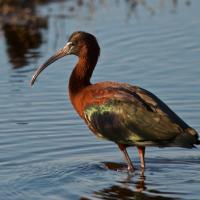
125,114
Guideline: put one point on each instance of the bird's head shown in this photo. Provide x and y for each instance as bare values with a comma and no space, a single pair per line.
81,44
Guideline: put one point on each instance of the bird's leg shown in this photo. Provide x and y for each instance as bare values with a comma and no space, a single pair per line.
126,156
141,152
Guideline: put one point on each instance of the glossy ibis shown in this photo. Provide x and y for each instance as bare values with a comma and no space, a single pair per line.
125,114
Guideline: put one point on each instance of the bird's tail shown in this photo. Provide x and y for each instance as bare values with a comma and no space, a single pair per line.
195,136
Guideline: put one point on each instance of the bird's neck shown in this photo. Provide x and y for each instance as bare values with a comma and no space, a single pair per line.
81,74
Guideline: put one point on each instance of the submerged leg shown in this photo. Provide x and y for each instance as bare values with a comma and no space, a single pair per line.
141,152
126,156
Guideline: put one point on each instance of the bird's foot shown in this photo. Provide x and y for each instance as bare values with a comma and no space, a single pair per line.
142,166
131,169
142,170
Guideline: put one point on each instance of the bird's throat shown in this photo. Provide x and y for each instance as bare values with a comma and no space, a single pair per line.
81,74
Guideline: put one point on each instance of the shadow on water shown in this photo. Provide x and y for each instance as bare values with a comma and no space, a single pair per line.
128,189
120,192
139,184
133,187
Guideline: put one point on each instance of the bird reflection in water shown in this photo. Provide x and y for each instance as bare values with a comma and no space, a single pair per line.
129,188
119,192
139,185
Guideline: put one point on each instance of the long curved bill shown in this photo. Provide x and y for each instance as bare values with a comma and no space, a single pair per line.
59,54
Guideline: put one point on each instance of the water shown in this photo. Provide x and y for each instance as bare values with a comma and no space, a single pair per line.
47,152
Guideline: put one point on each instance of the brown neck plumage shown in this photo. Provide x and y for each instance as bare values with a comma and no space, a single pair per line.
81,74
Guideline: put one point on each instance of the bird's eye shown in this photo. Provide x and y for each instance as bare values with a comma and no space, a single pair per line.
70,44
73,43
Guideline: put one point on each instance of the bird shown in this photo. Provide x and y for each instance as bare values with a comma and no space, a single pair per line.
125,114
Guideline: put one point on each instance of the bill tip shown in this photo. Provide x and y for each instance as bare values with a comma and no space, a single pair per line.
32,81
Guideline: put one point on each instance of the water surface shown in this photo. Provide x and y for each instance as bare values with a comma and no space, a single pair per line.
46,151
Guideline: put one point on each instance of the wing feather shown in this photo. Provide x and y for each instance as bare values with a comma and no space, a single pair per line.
132,116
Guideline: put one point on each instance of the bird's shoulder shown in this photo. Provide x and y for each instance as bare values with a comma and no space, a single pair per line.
105,91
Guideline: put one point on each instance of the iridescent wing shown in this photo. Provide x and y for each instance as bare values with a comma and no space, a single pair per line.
134,116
